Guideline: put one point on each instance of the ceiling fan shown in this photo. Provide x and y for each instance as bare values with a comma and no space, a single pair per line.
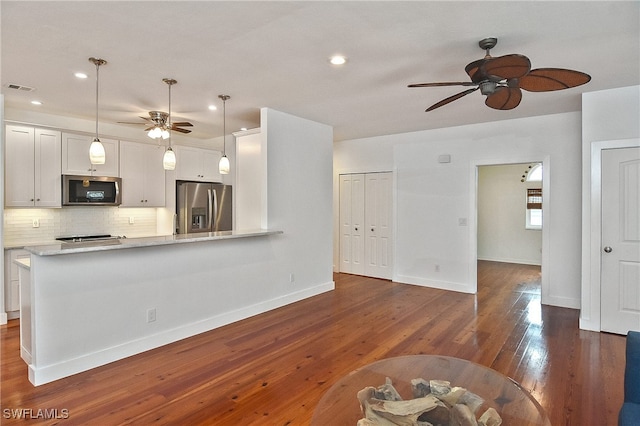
160,123
501,79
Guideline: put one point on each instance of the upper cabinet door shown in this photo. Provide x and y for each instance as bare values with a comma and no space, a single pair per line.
32,164
197,164
48,170
143,177
19,166
75,156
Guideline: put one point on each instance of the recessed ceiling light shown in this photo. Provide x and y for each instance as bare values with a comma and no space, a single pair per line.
36,102
338,60
81,75
213,107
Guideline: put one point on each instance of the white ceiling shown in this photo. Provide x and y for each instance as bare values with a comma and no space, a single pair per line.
275,54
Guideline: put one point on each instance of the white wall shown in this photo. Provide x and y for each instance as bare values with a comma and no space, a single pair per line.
610,119
299,162
502,233
432,198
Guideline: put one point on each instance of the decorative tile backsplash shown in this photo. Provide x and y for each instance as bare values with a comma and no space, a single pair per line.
19,229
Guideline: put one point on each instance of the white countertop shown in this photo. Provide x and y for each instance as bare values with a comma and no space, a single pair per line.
59,248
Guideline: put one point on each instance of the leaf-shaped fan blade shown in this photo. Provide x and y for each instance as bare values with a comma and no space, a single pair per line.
182,124
549,79
472,70
504,98
178,129
506,67
451,99
450,83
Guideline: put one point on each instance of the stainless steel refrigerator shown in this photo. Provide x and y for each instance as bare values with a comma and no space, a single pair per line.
203,207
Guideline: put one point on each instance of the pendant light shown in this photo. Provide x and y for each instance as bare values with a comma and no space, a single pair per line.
96,150
169,158
223,166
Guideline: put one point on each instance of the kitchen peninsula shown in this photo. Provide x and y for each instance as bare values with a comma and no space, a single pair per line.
95,303
89,303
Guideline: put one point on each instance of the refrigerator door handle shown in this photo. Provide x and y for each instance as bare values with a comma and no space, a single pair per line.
210,200
215,209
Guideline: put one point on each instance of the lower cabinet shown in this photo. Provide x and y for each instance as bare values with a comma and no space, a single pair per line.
143,177
12,281
365,224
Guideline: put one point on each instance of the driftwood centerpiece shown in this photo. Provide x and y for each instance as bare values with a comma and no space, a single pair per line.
434,403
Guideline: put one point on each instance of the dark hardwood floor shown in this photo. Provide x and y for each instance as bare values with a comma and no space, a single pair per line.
272,369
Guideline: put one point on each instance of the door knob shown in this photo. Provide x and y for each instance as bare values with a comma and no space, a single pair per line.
608,249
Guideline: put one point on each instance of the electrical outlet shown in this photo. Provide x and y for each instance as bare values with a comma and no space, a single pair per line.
151,315
437,268
291,278
131,220
36,223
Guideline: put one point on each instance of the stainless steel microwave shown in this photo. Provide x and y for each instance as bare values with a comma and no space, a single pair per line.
91,190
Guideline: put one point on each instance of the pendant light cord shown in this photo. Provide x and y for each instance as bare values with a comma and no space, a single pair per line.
97,93
224,123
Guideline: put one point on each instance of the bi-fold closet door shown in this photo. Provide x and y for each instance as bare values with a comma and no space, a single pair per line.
365,224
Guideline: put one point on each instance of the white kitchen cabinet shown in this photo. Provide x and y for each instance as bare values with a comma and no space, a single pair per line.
75,156
365,224
197,164
143,180
32,167
12,281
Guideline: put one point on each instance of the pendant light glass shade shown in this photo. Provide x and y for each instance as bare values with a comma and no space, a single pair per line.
169,159
96,152
223,165
96,149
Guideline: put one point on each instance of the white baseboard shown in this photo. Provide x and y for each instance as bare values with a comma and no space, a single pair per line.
508,260
49,373
442,285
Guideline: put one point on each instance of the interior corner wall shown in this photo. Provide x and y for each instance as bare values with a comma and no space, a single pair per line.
299,200
610,118
433,200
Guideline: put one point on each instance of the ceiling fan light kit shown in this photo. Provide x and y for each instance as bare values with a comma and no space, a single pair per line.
97,154
501,79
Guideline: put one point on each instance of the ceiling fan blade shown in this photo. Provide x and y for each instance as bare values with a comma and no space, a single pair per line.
450,83
504,98
451,99
473,67
127,122
549,79
182,124
178,129
145,118
506,67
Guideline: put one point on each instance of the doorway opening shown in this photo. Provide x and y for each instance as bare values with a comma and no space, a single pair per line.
510,217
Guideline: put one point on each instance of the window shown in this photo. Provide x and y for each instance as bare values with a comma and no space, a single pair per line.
534,208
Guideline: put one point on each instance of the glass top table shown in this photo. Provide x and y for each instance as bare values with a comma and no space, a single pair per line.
339,405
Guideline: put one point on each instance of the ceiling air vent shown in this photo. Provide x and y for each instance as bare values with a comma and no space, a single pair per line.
19,87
